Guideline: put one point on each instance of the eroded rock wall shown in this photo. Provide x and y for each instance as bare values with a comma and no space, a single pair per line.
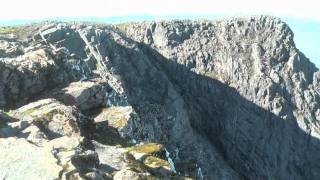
229,99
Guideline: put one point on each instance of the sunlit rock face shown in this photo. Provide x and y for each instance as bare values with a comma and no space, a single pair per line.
226,99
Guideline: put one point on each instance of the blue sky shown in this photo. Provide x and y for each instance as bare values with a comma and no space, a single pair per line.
307,37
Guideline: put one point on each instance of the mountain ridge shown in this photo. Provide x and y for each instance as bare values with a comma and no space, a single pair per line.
305,29
230,99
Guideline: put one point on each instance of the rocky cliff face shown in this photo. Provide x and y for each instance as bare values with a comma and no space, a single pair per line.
229,99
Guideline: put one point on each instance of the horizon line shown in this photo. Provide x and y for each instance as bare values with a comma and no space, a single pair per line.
146,17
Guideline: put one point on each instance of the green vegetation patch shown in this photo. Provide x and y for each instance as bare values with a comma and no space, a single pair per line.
16,30
117,116
149,148
177,177
120,122
28,111
158,168
8,113
134,164
153,161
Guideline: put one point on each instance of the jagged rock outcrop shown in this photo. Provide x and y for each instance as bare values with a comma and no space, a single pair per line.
268,96
228,99
84,94
48,140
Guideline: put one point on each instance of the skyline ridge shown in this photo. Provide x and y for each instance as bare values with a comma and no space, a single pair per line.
306,31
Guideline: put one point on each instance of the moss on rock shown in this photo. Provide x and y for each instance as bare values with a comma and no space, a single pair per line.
134,164
117,117
155,162
149,148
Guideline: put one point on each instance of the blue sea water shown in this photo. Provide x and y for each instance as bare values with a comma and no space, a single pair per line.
306,31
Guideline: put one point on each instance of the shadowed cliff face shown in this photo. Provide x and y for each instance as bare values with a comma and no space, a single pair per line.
230,99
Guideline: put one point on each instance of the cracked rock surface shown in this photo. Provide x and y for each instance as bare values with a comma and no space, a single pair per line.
224,99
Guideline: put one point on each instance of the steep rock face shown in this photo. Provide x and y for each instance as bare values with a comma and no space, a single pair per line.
162,111
230,99
268,102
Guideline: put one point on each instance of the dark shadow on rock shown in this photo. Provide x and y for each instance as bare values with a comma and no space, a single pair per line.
108,135
256,143
8,131
253,141
106,168
26,93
